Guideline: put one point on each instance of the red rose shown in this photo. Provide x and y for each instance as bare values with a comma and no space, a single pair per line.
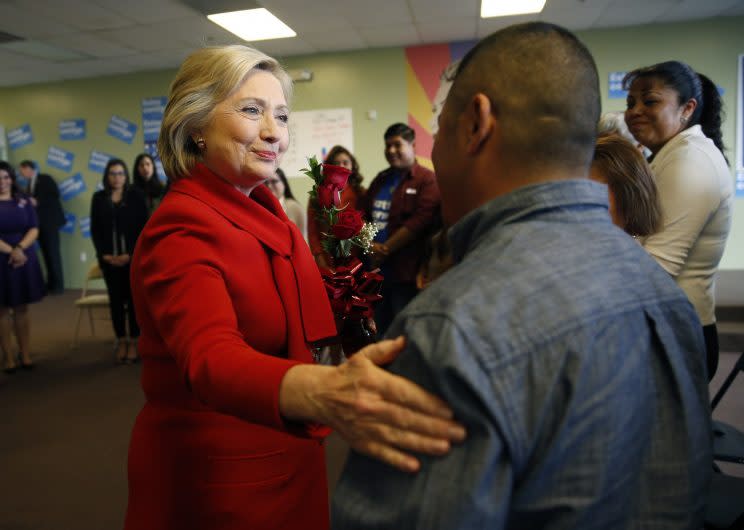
335,176
328,196
348,224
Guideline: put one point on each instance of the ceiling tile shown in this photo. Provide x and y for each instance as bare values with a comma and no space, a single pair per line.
342,39
623,15
284,47
454,29
390,35
24,22
81,14
148,11
95,45
443,10
366,14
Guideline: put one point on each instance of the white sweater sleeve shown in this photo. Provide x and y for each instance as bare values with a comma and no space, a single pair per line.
689,194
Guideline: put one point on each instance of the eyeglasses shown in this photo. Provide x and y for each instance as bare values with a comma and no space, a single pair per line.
117,174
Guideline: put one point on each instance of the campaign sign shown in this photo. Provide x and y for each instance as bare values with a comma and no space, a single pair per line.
152,117
160,171
20,136
72,187
60,158
72,129
85,226
97,161
121,129
69,226
616,85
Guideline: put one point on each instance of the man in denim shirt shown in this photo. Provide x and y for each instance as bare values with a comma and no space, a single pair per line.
576,364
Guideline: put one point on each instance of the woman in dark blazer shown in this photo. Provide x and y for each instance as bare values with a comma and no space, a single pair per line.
117,216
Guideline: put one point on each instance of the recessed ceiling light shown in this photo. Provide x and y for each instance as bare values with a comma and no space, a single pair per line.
506,8
253,24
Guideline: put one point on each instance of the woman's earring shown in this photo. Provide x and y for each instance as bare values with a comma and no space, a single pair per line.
683,120
201,144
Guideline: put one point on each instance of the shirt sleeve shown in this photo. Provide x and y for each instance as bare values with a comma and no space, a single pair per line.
427,207
689,195
469,487
185,296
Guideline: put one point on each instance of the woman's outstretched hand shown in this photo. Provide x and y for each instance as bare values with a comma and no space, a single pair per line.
380,414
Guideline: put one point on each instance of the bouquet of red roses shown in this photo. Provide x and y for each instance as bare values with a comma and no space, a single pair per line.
351,290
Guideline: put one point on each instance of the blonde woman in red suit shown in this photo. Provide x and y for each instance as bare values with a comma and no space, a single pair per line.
229,301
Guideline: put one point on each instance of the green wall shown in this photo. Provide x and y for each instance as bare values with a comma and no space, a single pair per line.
363,80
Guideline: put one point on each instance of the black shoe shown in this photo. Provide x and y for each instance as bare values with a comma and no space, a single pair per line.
10,370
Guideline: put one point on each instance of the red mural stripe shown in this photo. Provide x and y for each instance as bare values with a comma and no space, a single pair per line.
428,62
424,139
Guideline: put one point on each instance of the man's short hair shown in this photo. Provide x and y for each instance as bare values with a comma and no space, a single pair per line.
27,163
402,130
543,85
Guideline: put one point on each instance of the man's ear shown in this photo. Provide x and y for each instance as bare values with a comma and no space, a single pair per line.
480,122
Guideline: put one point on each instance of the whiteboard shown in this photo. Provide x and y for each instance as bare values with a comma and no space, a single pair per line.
314,132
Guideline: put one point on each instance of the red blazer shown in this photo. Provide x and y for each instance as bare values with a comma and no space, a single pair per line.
227,297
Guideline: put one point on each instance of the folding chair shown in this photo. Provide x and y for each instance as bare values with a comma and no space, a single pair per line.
90,302
725,508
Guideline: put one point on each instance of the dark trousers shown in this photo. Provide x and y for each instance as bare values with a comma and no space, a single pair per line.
711,348
120,300
49,243
395,296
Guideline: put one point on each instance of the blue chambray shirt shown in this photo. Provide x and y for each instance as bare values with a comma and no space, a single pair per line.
575,363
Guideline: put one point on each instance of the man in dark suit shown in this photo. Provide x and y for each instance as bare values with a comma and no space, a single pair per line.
45,197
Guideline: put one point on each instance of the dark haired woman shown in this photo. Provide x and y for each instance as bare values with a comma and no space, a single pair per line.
280,188
337,156
145,179
21,282
676,113
117,216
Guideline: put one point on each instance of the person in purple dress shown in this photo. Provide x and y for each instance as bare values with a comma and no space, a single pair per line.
21,282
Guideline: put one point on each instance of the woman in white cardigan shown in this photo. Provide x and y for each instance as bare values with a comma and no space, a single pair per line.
676,113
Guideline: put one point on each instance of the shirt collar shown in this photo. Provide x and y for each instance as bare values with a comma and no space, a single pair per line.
528,201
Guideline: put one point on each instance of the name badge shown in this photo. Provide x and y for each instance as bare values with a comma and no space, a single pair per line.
411,191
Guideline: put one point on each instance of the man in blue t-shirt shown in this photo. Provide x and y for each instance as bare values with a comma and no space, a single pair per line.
403,201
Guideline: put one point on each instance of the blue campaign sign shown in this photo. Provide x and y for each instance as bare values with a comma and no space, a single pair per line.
72,187
20,136
72,129
60,158
615,83
121,129
152,117
98,160
160,171
85,226
69,226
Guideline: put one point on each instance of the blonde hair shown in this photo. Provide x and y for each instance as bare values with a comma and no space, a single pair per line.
629,178
206,78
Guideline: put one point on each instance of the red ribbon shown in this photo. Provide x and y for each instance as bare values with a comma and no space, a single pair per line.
351,290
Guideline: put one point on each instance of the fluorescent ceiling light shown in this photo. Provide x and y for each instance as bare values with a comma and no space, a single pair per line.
506,8
253,24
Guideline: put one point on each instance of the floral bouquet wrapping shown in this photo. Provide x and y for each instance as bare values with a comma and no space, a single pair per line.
351,289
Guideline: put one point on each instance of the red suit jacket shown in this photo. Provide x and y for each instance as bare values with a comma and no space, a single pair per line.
227,297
